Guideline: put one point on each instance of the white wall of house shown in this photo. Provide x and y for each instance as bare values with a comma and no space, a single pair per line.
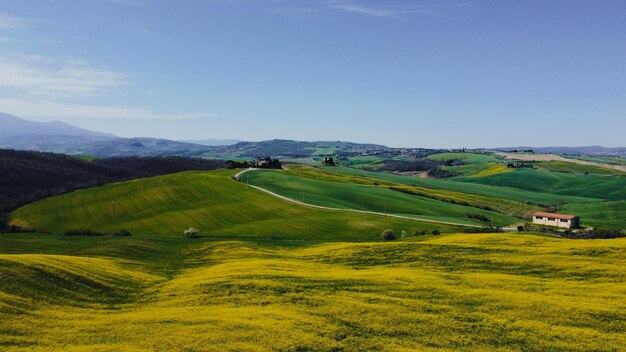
548,221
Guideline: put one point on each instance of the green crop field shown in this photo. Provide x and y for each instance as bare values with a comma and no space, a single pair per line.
562,166
542,196
469,158
369,197
493,292
505,206
209,201
592,186
479,170
602,160
600,214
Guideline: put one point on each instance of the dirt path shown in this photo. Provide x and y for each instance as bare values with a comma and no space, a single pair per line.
552,157
237,176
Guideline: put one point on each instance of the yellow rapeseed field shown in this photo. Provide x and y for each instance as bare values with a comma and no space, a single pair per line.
470,292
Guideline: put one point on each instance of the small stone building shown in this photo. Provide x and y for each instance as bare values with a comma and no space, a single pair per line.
556,220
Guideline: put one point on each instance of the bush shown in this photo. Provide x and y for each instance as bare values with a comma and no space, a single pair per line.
420,233
191,232
122,233
436,232
388,235
594,234
478,217
83,233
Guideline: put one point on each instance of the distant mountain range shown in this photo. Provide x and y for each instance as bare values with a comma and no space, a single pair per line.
59,137
594,150
11,126
212,142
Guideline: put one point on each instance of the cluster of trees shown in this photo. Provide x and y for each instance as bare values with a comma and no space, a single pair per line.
597,233
433,168
120,233
519,165
484,229
518,150
27,176
329,161
594,234
236,164
478,217
269,163
441,173
390,235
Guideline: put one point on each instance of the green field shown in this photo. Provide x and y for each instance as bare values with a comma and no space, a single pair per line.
591,186
479,169
508,193
209,201
468,158
369,197
494,292
510,207
562,166
602,160
600,214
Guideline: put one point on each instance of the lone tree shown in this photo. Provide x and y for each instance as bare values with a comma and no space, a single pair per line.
191,232
388,235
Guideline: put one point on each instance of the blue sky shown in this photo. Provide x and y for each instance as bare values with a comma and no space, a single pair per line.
464,73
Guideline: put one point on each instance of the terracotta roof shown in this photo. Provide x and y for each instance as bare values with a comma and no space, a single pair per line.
556,216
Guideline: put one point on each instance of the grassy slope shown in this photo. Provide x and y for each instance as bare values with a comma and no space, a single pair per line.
209,201
603,160
592,186
494,292
568,167
479,169
469,158
367,197
600,214
504,206
507,193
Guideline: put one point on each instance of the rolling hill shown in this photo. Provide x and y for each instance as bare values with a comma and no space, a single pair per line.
371,198
28,176
210,201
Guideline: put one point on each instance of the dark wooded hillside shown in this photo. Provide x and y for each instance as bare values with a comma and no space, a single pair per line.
27,176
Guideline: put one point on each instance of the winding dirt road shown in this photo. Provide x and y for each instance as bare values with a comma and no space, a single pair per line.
237,176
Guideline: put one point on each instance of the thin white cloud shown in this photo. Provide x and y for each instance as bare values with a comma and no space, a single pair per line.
387,10
10,22
45,87
66,78
316,9
45,110
119,2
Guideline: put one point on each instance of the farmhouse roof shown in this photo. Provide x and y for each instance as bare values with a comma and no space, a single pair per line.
556,216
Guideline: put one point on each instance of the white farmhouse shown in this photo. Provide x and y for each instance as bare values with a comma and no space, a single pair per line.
557,220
